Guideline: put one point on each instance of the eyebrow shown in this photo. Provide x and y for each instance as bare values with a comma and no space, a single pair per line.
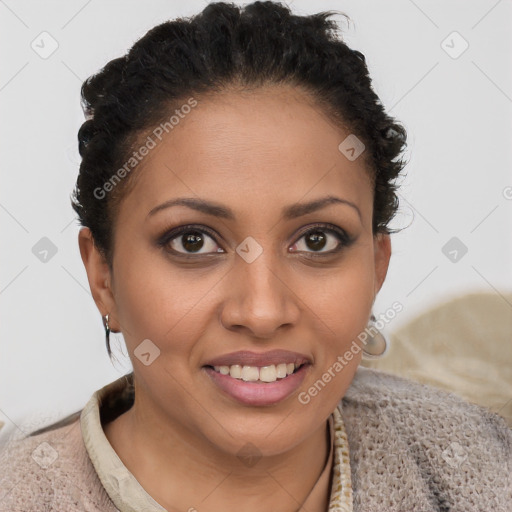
217,210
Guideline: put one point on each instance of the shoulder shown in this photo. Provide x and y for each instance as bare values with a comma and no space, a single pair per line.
422,411
398,397
50,471
452,447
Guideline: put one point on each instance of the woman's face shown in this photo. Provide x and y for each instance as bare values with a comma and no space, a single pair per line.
231,290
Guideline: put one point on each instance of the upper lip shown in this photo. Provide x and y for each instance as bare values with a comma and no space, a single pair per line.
248,358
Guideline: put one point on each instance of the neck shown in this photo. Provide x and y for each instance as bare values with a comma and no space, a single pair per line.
183,471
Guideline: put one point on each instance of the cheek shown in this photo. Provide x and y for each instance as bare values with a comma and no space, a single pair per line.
341,296
340,315
158,300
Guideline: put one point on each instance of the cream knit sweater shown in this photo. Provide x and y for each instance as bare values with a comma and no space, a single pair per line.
413,448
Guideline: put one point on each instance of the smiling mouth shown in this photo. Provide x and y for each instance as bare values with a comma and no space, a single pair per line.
259,374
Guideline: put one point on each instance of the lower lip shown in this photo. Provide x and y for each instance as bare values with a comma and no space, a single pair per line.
258,393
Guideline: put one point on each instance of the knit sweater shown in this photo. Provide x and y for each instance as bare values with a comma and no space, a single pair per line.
412,448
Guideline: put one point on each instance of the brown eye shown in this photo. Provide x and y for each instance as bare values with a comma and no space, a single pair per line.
316,240
319,238
192,241
189,240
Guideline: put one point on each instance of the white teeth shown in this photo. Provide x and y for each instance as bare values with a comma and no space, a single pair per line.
268,373
254,373
281,371
235,370
250,373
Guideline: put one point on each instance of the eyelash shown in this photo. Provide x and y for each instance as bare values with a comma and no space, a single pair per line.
344,239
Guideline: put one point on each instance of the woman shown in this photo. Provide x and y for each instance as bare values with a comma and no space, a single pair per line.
237,183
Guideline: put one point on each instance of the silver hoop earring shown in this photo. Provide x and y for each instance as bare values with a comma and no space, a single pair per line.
107,331
376,344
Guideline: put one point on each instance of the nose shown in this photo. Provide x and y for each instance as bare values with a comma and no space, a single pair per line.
260,299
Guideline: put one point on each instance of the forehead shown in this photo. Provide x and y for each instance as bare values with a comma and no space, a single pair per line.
251,150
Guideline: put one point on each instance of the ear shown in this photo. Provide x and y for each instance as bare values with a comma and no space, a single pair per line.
99,276
382,255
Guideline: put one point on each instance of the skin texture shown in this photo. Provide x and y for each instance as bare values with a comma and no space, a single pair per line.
254,153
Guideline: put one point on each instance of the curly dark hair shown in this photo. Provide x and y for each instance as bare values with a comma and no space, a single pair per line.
259,44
